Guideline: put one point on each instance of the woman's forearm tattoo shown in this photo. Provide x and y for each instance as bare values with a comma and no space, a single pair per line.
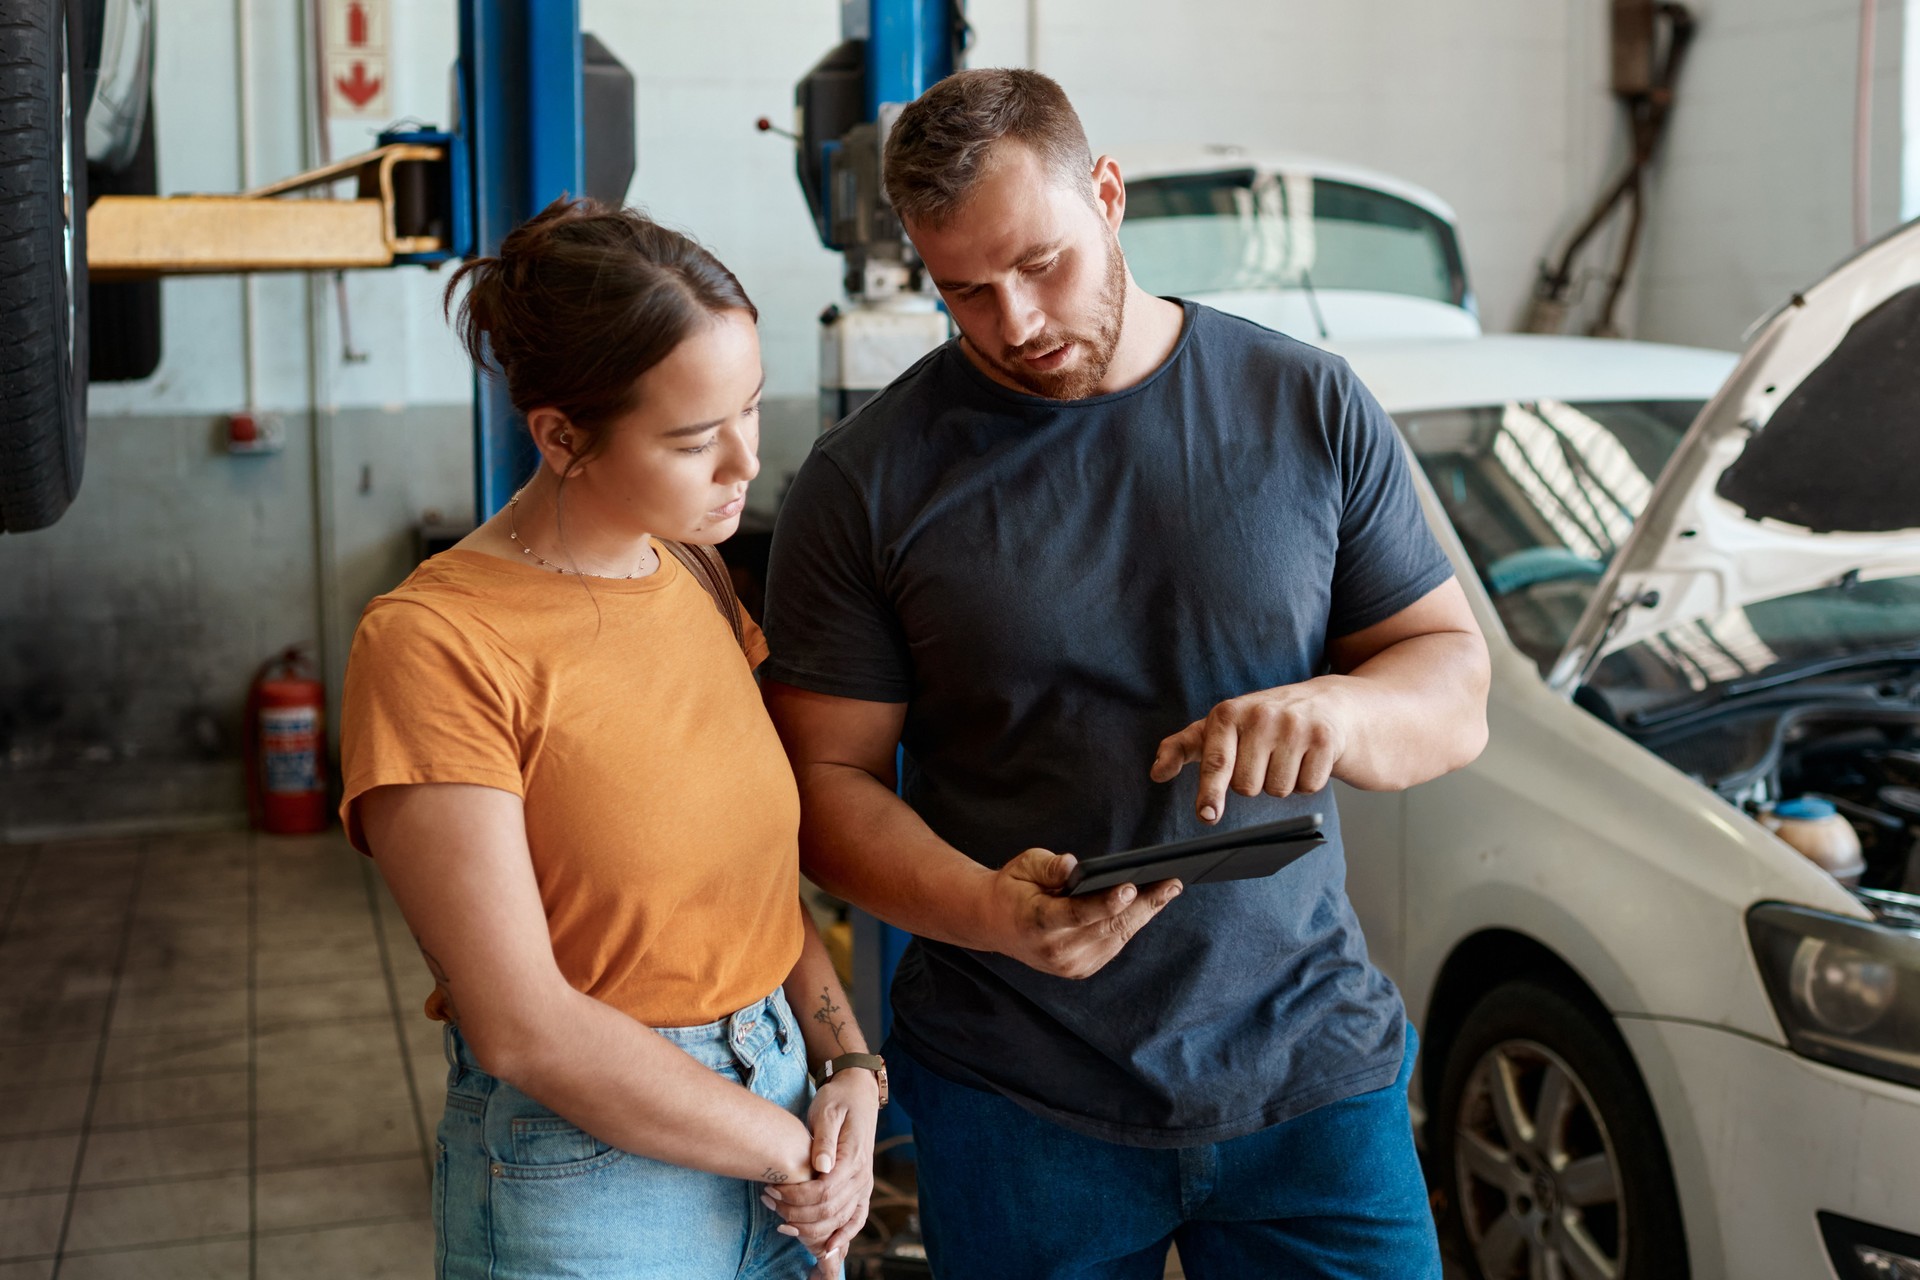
827,1015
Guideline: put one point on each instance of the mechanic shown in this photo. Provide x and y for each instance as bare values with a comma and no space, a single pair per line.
1099,537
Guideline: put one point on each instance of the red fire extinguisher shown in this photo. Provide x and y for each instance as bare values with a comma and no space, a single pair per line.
286,747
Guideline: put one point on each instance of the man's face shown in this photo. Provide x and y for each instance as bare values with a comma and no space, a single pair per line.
1031,269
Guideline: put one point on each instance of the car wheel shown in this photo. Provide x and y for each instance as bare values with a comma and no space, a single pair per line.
43,259
1554,1162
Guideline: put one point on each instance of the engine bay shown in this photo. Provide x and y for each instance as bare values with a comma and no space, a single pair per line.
1856,747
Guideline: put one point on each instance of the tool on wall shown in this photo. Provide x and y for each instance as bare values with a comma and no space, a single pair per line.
1650,42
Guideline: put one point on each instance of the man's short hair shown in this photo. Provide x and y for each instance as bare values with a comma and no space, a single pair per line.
941,144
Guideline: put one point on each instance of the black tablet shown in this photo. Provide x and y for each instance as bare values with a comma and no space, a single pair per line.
1228,855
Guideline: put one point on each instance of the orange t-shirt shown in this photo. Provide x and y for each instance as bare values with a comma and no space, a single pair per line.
661,812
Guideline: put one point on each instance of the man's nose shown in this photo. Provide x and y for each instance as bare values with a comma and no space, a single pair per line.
1020,320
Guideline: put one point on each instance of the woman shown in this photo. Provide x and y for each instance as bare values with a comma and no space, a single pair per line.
556,754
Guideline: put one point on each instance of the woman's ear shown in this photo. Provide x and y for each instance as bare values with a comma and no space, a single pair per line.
555,438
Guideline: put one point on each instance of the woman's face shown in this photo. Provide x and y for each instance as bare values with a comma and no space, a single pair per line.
677,465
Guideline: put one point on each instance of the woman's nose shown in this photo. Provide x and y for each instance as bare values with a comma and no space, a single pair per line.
741,460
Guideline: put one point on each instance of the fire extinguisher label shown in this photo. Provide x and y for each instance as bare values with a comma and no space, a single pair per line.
290,749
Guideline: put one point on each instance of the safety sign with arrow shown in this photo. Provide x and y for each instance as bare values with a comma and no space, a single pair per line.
357,59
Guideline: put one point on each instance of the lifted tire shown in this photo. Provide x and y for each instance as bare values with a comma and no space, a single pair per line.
1549,1146
43,260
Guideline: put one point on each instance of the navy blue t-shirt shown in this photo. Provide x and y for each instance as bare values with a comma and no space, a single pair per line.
1052,587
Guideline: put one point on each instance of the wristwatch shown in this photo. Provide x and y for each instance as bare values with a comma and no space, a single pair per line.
862,1061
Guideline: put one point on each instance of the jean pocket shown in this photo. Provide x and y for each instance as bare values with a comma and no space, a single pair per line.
551,1147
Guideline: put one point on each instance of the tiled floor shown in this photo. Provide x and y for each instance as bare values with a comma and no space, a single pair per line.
212,1063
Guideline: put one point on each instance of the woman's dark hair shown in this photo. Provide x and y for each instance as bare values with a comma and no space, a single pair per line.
580,301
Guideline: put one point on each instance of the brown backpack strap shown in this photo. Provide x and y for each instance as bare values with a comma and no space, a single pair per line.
710,571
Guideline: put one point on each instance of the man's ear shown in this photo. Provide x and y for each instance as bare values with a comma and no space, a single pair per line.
1109,192
555,438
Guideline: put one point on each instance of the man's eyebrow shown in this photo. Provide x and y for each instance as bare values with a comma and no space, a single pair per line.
1032,255
697,428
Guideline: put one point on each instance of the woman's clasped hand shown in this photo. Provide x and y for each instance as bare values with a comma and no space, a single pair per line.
826,1210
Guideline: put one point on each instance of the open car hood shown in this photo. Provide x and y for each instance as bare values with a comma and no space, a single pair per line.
1804,468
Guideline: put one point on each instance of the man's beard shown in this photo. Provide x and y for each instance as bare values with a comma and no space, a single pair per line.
1079,381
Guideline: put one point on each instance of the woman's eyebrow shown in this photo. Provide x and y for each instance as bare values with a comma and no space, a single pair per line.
697,427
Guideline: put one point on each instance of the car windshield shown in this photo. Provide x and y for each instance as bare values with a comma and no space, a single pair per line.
1853,617
1239,229
1542,493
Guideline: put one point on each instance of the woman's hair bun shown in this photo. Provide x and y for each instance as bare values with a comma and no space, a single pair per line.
580,301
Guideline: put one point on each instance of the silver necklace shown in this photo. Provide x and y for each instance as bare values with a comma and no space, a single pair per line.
513,535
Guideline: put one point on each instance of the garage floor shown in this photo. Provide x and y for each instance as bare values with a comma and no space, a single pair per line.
213,1064
211,1057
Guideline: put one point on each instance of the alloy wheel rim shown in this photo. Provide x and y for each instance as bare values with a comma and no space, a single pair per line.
1535,1170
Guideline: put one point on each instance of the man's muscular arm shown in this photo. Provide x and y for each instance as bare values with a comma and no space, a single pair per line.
860,841
1406,701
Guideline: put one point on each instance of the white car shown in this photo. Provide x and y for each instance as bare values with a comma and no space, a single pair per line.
1320,250
1657,1040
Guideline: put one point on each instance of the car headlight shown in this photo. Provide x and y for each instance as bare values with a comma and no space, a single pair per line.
1847,991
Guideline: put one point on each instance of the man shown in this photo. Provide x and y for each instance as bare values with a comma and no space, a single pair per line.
1101,537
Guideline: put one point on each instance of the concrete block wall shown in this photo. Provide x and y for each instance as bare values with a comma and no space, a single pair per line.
130,629
1753,197
1489,103
127,633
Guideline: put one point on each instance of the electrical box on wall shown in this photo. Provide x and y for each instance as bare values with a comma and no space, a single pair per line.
1633,69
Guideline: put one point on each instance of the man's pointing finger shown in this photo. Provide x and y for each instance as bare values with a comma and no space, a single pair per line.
1177,751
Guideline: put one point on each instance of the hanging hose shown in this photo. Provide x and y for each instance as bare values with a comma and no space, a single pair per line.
1649,107
1863,131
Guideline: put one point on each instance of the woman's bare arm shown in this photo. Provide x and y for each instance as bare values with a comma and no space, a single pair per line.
827,1212
456,859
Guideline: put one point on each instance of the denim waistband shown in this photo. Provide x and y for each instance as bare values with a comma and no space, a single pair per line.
734,1026
744,1030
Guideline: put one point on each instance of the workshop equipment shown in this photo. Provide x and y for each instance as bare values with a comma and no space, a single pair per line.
890,52
541,110
286,747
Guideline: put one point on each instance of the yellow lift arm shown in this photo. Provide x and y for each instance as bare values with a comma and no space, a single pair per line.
140,237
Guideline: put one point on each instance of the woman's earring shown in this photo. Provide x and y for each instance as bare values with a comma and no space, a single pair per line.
566,441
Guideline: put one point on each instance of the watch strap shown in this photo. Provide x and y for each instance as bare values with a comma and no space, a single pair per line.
858,1061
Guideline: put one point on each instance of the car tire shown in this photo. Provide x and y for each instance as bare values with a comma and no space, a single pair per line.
1548,1145
43,259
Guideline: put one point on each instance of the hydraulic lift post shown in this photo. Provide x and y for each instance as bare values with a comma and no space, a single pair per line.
520,83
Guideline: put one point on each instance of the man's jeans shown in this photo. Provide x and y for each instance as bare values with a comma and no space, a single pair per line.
1335,1194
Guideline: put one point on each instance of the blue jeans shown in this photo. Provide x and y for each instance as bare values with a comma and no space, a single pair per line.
1335,1194
520,1193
